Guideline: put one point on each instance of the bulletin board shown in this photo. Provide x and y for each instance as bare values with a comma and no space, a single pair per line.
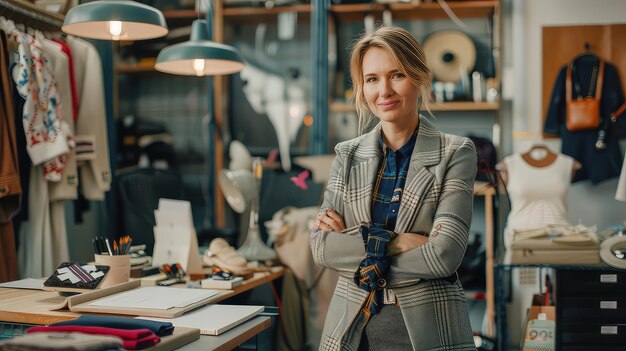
562,43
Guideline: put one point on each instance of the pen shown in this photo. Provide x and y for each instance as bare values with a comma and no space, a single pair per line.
108,246
95,246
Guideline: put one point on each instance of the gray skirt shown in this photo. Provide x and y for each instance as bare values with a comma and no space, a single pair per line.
386,331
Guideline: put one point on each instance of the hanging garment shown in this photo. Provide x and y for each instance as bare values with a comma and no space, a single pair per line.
597,165
66,188
91,129
35,252
10,188
46,132
538,194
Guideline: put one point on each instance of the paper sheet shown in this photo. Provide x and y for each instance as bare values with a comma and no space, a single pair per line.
159,298
28,283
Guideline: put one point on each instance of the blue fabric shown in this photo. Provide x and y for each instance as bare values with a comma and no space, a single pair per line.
392,172
159,328
371,273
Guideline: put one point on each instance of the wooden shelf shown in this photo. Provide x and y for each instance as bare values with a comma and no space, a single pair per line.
409,11
237,12
435,107
262,11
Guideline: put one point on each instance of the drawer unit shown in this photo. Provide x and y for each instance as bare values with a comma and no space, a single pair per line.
592,281
590,310
597,308
581,334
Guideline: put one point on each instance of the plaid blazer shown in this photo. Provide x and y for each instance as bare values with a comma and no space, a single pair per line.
437,201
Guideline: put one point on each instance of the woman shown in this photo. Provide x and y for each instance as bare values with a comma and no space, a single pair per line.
396,213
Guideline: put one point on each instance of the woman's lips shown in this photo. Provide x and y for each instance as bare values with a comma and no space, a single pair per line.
388,105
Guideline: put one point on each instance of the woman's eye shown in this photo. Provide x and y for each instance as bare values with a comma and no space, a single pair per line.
370,80
398,75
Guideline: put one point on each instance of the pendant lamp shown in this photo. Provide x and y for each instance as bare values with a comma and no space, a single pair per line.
115,20
199,56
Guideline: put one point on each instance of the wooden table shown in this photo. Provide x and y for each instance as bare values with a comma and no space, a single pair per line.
33,307
232,338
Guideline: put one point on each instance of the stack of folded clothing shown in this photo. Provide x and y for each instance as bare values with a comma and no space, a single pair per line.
61,342
555,245
135,334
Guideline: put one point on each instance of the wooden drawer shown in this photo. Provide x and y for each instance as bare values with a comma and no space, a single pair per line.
600,308
592,334
576,282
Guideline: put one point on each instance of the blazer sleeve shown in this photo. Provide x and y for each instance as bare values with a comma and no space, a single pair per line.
442,254
341,252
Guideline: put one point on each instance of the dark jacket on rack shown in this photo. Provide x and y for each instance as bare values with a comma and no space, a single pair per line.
597,165
10,188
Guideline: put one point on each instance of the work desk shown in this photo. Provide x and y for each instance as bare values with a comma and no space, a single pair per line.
33,307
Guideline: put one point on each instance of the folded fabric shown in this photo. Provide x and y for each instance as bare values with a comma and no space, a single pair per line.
371,273
136,339
62,342
159,328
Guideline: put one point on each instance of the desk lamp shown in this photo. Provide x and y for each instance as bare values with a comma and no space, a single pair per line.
241,189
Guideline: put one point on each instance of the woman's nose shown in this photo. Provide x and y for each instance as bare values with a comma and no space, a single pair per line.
385,88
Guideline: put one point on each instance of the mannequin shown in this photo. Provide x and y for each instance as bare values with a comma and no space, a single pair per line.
538,156
539,188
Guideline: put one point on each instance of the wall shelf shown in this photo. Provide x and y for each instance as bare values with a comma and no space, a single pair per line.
435,107
238,13
462,9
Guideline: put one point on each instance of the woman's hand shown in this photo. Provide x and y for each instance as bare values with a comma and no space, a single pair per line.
405,242
330,221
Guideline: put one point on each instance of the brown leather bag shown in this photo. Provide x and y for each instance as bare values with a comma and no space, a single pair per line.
584,112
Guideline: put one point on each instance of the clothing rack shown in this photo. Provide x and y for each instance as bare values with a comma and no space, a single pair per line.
25,12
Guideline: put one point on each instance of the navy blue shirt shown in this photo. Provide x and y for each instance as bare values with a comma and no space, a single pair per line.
392,172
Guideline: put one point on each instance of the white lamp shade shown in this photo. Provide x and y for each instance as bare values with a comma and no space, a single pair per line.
115,20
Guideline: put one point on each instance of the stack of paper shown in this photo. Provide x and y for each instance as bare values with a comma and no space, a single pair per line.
214,319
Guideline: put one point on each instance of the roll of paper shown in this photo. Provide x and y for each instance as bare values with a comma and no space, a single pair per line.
607,251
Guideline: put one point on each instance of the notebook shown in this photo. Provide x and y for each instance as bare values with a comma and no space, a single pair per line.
221,284
214,319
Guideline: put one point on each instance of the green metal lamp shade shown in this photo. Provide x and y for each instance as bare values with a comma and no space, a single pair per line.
199,56
115,20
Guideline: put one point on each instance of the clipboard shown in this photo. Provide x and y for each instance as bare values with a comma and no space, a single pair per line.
81,303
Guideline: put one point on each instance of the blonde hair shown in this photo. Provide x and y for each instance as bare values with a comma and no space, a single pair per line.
408,56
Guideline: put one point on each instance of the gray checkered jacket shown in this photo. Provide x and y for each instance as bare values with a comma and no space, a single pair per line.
437,200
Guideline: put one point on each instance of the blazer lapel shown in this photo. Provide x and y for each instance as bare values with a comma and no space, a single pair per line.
427,152
365,161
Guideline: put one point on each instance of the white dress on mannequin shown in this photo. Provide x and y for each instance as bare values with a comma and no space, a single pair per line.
538,194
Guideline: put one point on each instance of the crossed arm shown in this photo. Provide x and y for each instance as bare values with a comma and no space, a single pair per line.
414,256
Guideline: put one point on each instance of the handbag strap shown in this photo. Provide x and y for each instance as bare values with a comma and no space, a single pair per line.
568,80
618,112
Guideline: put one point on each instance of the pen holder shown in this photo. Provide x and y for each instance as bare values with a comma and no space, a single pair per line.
119,269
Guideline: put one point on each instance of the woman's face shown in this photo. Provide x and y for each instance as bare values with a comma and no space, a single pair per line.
390,95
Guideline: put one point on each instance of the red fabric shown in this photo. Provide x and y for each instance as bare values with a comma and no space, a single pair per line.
66,49
136,339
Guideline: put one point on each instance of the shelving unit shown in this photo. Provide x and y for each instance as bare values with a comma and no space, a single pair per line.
404,11
435,107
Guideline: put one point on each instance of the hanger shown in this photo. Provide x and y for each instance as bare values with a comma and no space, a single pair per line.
587,54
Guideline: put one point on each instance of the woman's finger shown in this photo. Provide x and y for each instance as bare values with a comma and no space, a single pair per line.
340,225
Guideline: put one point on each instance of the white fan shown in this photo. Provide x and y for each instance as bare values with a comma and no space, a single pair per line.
241,189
